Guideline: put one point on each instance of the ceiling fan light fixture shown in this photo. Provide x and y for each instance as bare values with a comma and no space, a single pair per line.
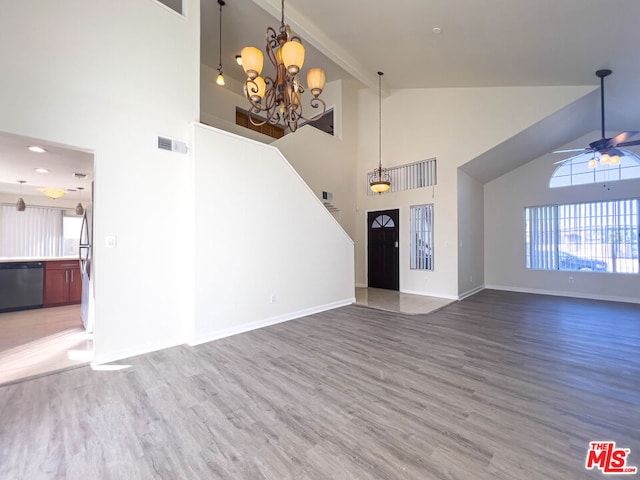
605,158
615,160
592,163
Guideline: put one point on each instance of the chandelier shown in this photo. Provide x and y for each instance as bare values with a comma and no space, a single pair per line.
379,180
279,99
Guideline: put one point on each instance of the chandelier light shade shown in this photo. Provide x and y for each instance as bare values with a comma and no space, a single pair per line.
379,180
278,99
20,205
220,79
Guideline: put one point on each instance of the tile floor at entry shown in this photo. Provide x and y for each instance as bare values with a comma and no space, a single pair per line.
393,301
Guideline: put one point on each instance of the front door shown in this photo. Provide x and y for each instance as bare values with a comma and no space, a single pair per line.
384,254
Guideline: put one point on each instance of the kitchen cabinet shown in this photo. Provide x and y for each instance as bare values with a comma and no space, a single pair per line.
62,283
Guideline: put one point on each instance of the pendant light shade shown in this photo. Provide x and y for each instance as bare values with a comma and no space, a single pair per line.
316,79
252,61
79,207
293,56
20,205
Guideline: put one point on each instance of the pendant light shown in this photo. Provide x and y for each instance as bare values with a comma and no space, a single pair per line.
79,207
220,79
20,205
379,180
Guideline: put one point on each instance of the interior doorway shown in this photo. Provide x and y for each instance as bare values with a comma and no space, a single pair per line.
383,232
55,185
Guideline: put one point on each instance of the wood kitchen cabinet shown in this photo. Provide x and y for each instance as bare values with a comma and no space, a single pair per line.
62,283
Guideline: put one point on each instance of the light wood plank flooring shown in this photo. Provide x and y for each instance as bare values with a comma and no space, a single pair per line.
499,386
42,340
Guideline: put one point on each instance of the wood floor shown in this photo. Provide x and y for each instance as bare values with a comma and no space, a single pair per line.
499,386
42,340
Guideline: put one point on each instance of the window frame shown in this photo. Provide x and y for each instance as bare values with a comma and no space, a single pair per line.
422,237
583,236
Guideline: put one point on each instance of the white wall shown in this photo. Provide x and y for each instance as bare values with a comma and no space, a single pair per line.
260,232
505,200
454,125
328,163
108,77
470,234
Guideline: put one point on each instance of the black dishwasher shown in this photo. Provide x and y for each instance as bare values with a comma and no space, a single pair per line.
21,285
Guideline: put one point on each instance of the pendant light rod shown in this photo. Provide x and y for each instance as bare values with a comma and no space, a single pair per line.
380,180
380,123
220,79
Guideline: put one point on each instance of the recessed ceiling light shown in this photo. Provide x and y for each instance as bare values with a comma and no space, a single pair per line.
36,149
437,30
42,170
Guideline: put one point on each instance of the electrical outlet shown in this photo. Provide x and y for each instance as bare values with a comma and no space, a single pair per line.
570,279
272,298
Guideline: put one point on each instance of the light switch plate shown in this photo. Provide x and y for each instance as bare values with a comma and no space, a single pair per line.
111,241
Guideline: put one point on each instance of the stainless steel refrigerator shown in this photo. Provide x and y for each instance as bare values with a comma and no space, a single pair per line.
86,254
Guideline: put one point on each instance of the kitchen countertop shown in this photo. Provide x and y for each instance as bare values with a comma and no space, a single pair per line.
34,259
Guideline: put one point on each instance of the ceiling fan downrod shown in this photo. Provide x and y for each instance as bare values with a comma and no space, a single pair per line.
602,74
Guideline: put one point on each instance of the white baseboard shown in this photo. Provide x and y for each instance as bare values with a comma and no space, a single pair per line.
133,351
468,293
564,294
430,294
227,332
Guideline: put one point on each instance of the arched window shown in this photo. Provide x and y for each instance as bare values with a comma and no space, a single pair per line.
383,221
581,170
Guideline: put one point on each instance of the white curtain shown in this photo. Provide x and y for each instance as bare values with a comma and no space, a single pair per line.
36,232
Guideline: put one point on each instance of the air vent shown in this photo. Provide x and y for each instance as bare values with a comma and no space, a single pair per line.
172,145
80,176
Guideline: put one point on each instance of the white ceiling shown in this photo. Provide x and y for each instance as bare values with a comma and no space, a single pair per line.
484,43
18,163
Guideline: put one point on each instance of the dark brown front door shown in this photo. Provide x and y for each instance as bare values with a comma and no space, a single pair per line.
384,254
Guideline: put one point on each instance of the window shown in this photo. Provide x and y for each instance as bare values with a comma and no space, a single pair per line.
596,236
383,221
36,232
242,119
421,252
71,226
409,176
576,171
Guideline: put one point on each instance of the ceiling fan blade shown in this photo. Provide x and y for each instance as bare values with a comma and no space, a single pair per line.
628,144
572,150
620,138
569,159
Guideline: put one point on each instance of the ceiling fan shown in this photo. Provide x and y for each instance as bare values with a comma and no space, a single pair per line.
606,148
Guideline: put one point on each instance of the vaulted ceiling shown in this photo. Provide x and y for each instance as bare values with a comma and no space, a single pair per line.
482,43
